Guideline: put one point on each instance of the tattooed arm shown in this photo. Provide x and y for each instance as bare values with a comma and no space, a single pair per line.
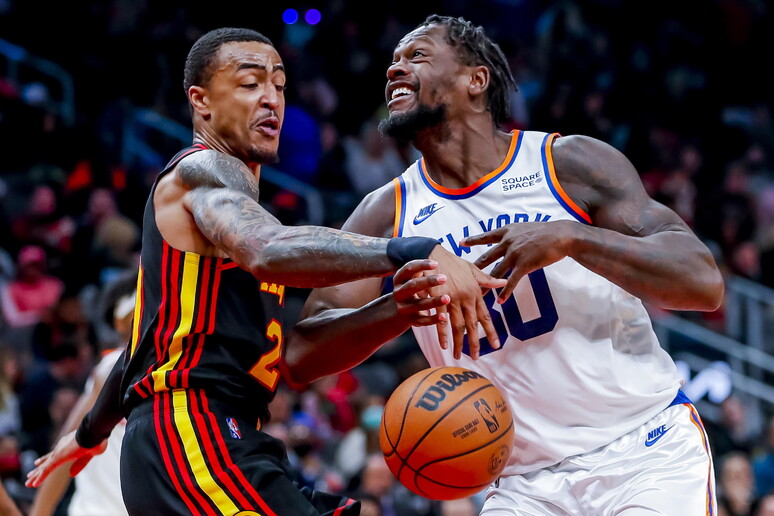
637,243
223,199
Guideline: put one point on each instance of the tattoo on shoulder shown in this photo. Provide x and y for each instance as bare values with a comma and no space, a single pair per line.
212,169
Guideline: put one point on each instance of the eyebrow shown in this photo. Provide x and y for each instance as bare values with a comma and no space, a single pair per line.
260,66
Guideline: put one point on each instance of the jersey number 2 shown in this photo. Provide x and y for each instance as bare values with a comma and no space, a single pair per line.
265,370
510,323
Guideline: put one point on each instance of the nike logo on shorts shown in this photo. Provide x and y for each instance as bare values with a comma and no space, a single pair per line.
656,434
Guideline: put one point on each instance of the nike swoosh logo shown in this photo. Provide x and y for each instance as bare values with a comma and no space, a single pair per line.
651,442
419,219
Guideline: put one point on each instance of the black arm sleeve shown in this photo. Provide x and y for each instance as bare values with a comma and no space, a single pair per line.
97,424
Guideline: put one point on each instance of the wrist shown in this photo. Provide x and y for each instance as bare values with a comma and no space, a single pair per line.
402,250
84,439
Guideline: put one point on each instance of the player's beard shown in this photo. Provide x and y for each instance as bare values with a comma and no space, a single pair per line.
405,126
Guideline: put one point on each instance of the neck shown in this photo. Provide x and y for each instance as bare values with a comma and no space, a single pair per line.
456,157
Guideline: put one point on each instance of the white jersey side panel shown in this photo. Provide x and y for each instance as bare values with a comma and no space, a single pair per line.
98,486
579,361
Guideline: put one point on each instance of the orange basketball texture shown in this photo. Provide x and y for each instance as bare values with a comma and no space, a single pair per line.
446,433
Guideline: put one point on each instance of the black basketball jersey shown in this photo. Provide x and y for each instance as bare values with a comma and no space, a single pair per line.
201,323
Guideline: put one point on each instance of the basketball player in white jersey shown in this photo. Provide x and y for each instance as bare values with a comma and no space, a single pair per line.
601,425
98,485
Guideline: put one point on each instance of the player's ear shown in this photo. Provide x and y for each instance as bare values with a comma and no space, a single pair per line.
479,80
199,100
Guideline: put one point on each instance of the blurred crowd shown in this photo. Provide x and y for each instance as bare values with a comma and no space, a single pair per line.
683,92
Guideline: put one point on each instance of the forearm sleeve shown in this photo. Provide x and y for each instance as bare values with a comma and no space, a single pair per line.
97,424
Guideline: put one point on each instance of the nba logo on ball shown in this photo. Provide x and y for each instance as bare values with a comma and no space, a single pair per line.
446,433
487,415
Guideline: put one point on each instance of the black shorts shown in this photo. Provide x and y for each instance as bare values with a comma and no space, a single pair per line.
185,454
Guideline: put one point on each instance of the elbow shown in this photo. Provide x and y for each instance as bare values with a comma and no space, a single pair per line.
709,294
297,370
717,292
268,264
296,375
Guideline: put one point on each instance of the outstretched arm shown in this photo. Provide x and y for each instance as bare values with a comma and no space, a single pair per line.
81,445
635,242
342,326
50,492
223,200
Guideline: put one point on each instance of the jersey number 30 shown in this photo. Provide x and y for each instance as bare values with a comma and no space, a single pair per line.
509,322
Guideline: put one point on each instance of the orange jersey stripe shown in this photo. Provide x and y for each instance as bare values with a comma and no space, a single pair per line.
398,207
490,175
555,181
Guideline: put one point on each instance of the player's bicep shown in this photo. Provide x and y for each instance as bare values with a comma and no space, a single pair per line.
229,219
606,184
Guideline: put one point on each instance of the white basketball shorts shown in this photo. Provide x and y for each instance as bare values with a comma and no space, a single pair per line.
663,467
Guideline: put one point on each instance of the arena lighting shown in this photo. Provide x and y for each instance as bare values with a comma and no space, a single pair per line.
290,16
312,16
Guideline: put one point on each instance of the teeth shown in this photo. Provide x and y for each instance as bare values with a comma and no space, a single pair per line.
398,92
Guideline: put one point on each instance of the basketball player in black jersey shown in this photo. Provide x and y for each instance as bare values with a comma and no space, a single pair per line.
207,342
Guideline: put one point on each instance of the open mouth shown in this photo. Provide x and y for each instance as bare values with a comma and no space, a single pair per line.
271,123
268,126
402,91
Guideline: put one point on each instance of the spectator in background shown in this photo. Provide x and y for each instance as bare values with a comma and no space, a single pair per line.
763,463
82,265
116,245
730,433
369,504
66,323
728,218
377,480
40,396
361,441
32,292
44,223
765,506
736,489
371,159
461,507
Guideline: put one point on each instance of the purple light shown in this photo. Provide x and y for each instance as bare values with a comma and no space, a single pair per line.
312,16
290,16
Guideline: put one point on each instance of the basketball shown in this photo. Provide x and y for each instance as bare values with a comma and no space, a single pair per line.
446,433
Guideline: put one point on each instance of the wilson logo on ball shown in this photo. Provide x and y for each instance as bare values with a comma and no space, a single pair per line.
431,399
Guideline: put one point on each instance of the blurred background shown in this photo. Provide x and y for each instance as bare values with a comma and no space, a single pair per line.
92,107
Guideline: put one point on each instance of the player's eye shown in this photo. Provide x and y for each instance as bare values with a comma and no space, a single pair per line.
250,86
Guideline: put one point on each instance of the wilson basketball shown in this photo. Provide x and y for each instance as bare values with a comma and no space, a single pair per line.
446,433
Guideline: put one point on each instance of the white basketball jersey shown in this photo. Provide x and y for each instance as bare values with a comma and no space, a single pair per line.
98,486
579,361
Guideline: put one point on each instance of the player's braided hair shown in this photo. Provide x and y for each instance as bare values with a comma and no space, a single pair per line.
474,48
198,64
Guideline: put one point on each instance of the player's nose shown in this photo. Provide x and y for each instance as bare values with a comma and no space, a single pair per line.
396,69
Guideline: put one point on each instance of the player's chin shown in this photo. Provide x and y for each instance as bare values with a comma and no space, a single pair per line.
264,154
